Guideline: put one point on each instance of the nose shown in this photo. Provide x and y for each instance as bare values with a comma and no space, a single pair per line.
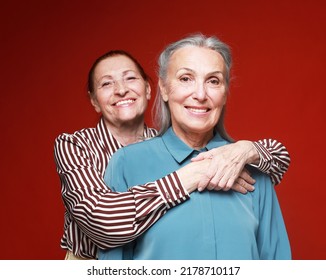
120,88
200,93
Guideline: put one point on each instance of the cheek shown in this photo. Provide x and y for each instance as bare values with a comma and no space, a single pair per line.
140,89
103,94
177,94
181,90
219,98
102,100
223,100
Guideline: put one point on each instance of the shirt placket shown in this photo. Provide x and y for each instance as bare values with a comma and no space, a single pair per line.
208,223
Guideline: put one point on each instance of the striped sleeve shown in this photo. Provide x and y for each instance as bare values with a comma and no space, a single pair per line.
274,158
108,218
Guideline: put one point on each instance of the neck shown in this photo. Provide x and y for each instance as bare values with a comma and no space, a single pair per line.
127,133
195,140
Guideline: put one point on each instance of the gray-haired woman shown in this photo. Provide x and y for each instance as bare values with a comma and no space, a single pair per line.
193,83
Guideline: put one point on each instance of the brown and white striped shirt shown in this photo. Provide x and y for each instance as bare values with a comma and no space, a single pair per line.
95,216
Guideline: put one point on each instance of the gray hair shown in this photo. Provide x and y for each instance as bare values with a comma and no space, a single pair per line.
161,111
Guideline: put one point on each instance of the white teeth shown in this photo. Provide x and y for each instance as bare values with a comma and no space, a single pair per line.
195,110
124,102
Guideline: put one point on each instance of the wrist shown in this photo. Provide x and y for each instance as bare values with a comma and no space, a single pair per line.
192,174
253,156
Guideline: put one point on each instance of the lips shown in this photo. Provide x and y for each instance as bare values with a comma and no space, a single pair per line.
197,110
124,102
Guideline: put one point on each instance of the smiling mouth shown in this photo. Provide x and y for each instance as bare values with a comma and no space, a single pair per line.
125,102
197,110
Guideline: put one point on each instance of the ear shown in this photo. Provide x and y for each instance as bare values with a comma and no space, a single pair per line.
95,104
148,91
163,90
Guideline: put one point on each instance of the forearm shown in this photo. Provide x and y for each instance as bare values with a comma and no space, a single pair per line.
110,218
228,162
268,155
113,219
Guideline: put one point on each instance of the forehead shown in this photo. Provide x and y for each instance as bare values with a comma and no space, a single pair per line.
115,65
197,58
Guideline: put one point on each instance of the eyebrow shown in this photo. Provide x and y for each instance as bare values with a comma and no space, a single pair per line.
123,74
192,71
187,69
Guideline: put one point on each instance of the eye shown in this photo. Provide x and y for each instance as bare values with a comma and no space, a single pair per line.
214,81
185,79
107,84
131,78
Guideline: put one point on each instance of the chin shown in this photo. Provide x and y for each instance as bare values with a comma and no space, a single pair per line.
200,127
131,117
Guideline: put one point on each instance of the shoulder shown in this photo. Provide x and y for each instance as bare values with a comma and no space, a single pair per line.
143,145
86,140
259,175
263,186
139,149
82,135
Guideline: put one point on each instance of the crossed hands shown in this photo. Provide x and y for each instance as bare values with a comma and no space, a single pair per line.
221,168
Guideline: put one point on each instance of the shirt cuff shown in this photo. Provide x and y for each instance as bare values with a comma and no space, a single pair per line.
171,190
265,158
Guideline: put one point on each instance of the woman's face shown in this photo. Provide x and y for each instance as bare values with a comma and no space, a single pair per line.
121,94
196,90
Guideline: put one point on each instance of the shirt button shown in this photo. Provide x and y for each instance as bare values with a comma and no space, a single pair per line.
167,195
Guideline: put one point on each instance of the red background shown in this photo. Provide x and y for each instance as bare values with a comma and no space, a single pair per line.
47,48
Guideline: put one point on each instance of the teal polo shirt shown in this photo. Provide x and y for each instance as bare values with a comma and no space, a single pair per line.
210,225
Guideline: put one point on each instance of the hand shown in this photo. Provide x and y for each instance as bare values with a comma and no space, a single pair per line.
243,183
192,174
226,168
